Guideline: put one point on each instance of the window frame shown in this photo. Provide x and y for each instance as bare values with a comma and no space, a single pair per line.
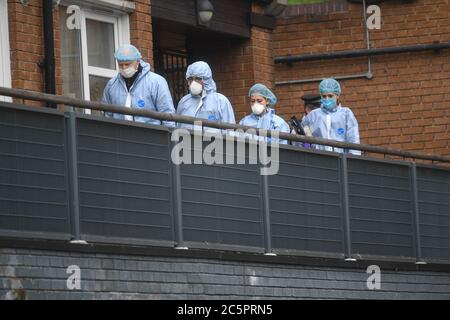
91,70
121,25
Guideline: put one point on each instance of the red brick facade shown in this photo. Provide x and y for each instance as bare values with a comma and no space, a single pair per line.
406,104
141,29
26,45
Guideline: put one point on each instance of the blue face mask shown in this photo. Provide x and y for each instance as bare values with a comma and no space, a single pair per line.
328,104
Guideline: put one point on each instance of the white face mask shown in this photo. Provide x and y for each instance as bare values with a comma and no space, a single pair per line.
258,108
128,72
196,88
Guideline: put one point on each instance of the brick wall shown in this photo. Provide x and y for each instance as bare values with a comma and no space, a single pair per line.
141,29
42,274
26,45
407,103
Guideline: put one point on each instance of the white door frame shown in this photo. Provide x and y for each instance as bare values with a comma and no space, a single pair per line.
5,63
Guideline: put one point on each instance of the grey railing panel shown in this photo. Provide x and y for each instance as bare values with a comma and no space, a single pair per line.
434,212
221,204
33,173
124,181
121,178
380,208
305,203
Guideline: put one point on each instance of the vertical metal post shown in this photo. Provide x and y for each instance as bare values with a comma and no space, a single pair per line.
73,174
265,203
176,200
415,211
345,208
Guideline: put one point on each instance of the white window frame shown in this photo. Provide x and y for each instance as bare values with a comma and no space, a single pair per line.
121,35
121,24
5,63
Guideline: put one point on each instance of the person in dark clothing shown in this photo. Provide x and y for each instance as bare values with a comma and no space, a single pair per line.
310,102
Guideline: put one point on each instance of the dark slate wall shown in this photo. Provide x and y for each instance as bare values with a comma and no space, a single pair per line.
41,274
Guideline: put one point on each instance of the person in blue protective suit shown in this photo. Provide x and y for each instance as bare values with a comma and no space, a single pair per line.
204,101
263,115
137,87
332,120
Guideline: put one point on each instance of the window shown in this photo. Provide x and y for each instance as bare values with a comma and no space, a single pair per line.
87,51
5,66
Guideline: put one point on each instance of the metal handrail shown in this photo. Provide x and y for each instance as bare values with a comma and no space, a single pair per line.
39,96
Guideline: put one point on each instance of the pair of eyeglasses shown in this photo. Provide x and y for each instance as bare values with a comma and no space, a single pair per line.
327,96
190,79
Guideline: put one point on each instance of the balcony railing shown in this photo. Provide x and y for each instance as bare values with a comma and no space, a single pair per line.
71,176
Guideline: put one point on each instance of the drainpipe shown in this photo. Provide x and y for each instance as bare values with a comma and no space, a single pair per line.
369,63
436,47
49,50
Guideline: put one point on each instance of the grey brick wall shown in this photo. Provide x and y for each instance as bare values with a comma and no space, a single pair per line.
41,274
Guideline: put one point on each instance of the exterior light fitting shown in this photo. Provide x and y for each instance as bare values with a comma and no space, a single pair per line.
205,11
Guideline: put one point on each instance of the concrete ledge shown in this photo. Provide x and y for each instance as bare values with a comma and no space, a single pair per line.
223,255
